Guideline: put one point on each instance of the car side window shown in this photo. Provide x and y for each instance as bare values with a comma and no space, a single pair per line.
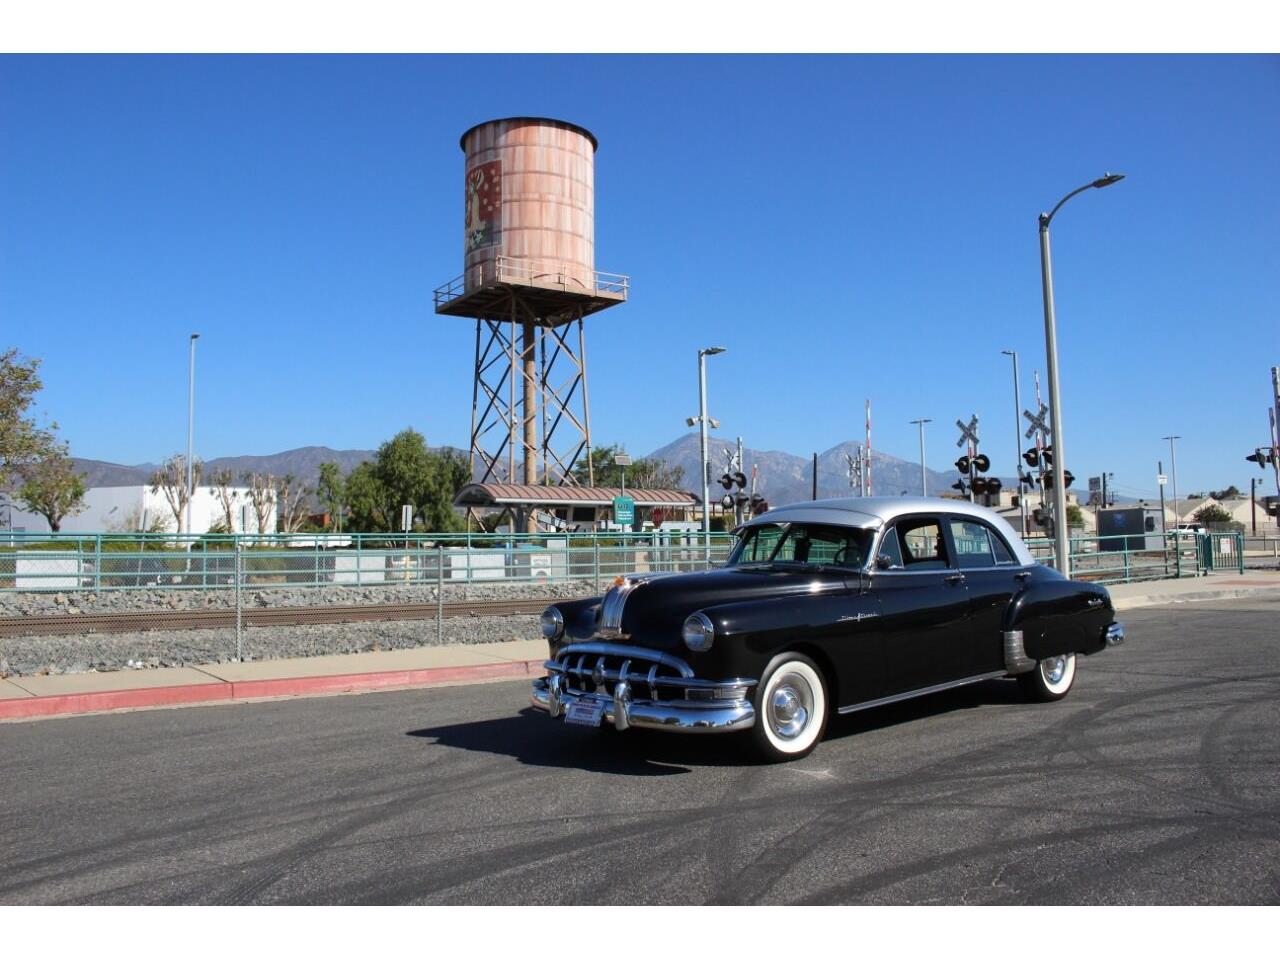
972,543
1003,556
922,545
890,548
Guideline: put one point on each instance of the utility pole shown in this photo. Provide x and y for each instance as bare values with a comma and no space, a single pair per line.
191,428
1164,527
866,473
1173,461
1017,440
924,486
1253,503
815,477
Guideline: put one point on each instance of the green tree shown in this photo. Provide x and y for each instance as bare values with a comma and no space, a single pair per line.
1075,517
1211,513
1226,494
52,488
331,488
404,471
22,440
643,473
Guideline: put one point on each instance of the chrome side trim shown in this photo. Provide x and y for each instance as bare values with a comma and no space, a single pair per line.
1015,653
612,606
911,694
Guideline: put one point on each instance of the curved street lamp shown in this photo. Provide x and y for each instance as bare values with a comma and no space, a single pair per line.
1062,536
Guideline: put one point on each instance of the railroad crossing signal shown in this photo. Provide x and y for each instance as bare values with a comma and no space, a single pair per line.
968,434
1037,422
1264,455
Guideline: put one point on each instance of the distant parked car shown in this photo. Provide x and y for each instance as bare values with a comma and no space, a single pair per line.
824,607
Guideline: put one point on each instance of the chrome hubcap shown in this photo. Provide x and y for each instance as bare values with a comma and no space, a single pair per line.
789,707
1054,668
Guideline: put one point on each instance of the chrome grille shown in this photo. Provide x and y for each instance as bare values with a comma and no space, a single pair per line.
600,668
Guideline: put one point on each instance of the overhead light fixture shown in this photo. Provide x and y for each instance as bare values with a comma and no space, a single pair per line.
691,421
1106,180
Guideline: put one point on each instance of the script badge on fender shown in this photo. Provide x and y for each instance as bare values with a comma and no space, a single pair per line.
584,714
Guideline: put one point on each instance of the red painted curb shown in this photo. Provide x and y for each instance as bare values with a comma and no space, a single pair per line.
255,689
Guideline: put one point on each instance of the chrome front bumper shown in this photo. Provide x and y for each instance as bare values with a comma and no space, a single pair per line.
612,674
681,717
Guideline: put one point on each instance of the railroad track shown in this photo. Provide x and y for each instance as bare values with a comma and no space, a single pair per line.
129,621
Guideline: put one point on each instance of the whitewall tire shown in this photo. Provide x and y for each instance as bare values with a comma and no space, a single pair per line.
1050,680
791,708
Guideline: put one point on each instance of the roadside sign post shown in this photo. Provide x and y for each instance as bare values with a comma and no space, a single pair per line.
624,511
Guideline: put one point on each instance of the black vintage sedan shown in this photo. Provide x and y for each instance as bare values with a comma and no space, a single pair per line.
830,605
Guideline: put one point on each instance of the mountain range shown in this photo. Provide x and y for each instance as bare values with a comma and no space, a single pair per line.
782,477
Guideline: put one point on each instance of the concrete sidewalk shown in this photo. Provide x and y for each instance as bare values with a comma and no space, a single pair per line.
1219,586
72,693
42,696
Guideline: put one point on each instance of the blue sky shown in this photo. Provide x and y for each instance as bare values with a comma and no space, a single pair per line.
848,226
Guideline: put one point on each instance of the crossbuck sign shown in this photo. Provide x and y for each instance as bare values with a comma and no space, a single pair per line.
1037,422
968,434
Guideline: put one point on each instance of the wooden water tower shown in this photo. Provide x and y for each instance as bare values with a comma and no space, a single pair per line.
528,281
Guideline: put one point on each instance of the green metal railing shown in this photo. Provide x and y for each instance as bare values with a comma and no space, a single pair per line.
73,562
1126,558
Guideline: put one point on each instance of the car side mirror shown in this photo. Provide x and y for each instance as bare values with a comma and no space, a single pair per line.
884,562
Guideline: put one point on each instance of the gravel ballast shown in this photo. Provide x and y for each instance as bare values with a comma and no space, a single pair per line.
26,656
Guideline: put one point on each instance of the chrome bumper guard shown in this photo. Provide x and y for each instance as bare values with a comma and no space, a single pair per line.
708,706
1114,635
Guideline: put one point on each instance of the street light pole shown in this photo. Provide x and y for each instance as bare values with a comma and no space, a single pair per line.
1062,534
702,423
191,424
1017,441
1173,458
924,486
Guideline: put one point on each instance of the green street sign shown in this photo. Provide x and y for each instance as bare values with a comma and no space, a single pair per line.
624,511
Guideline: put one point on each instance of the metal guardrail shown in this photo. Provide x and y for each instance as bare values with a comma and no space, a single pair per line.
1150,556
539,273
111,562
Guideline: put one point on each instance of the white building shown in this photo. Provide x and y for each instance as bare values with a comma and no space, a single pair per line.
134,508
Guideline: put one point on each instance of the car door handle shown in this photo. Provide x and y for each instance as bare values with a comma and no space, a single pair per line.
1023,577
953,578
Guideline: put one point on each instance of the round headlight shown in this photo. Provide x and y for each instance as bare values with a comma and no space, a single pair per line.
699,633
552,621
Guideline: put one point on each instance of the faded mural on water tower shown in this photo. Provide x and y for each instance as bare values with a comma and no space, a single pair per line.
484,205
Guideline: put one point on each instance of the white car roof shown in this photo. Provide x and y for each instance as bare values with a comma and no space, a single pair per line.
875,512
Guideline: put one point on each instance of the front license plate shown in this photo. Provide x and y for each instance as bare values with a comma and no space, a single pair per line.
584,714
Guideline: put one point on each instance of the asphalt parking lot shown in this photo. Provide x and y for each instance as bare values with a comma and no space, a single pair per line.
1156,781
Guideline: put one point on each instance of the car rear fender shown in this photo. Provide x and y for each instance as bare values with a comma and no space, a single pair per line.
1059,616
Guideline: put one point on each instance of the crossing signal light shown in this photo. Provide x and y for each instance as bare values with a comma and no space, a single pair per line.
727,480
1047,456
1032,457
1261,458
979,485
963,464
959,485
727,501
759,504
1068,478
994,485
982,463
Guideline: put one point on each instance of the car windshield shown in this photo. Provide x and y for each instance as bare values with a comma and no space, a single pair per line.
810,544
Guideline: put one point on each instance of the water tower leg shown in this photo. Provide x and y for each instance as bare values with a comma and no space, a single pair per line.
529,412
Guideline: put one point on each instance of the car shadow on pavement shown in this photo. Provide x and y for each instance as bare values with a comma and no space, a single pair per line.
985,694
533,738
